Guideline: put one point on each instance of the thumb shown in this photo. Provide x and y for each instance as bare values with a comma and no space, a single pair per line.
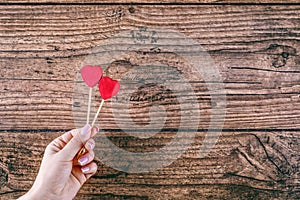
80,137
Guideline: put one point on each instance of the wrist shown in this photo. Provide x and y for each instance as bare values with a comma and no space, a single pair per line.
38,194
30,195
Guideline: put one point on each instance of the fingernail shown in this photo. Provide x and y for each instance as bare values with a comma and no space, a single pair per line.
85,129
83,160
92,145
85,169
95,130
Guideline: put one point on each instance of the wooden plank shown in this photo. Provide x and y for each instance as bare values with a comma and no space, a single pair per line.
156,1
260,165
42,49
255,48
251,103
65,31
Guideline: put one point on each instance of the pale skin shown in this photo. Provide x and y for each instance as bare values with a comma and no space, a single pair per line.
62,172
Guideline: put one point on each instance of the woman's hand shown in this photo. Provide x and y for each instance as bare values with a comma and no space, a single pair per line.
61,173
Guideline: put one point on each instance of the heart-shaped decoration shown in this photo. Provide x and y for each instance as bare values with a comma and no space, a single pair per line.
91,75
108,87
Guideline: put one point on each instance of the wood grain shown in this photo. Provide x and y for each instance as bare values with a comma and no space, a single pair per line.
74,30
155,1
255,48
257,57
266,101
242,165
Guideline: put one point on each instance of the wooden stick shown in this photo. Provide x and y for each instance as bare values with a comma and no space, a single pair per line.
89,106
96,116
83,150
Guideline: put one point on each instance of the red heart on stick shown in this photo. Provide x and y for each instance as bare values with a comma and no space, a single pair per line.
91,75
108,87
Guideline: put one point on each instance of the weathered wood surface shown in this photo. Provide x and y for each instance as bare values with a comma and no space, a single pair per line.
255,49
243,165
256,56
156,1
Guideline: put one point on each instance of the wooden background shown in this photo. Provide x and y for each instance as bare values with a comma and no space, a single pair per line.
254,45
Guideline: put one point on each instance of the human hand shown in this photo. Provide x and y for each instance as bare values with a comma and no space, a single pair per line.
61,174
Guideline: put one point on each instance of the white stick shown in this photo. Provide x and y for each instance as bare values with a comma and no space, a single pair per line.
96,116
89,106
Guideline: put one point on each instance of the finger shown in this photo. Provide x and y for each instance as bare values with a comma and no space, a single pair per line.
77,175
66,137
55,146
90,145
74,145
80,176
89,170
85,159
58,143
95,130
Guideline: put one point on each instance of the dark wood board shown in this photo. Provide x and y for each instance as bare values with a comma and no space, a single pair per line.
152,1
258,165
254,47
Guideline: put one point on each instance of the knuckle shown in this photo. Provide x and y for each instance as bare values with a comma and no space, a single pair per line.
90,144
92,140
48,147
92,155
76,141
94,166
